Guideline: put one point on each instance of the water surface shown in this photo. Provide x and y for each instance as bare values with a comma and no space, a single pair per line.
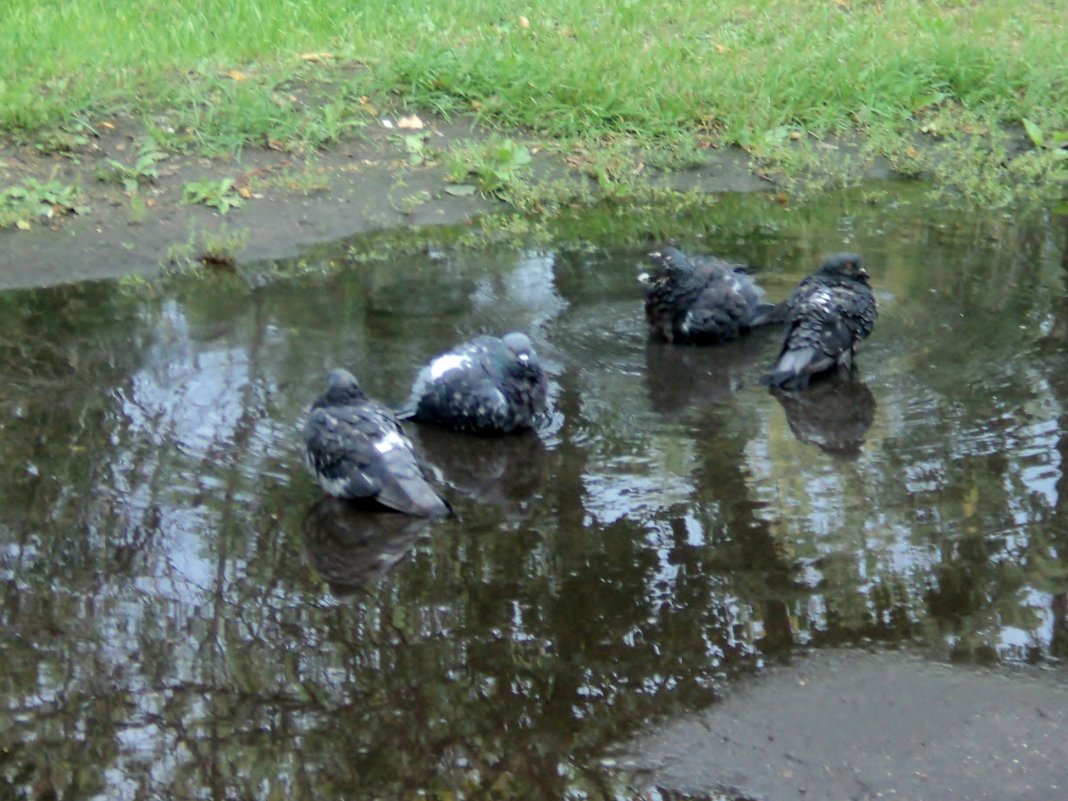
182,616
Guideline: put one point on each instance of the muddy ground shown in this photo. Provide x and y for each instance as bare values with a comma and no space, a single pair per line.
292,201
858,725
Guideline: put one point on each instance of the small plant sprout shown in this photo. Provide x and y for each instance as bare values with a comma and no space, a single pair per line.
218,194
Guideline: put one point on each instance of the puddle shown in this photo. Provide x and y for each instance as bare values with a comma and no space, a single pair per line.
179,617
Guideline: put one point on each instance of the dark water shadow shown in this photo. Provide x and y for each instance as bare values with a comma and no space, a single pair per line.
499,471
351,546
834,414
681,378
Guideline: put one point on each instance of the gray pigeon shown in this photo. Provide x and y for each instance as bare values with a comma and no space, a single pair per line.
489,385
357,449
700,301
826,316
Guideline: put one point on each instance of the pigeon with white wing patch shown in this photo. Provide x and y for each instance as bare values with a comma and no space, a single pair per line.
356,449
488,385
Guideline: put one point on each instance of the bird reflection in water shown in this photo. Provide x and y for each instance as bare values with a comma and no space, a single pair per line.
505,472
834,414
351,545
679,379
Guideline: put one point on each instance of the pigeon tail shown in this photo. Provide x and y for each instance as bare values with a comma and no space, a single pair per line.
793,370
413,496
768,313
406,411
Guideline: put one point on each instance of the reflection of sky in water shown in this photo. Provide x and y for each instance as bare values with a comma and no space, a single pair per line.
528,288
638,486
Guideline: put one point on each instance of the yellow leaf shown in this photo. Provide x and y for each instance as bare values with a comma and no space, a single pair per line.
316,56
524,23
22,225
411,123
245,192
236,75
108,124
368,106
721,49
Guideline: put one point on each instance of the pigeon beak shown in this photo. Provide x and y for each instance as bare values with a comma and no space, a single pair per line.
863,273
523,357
644,278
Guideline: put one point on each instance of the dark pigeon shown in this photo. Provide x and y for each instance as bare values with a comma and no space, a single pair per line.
490,385
701,301
827,315
357,449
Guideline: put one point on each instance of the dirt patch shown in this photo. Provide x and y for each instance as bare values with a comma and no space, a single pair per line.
291,202
871,725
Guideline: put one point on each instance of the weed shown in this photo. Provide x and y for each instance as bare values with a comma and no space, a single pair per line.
142,171
218,194
305,181
496,165
220,248
217,249
33,199
138,209
415,148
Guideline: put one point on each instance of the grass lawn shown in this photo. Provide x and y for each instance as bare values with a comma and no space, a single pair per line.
216,75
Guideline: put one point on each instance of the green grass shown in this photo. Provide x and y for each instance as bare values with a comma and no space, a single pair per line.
220,74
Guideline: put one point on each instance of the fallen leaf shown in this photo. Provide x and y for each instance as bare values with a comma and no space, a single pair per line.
524,23
411,123
460,190
795,135
245,192
316,56
236,75
107,124
366,104
22,225
911,152
842,3
721,49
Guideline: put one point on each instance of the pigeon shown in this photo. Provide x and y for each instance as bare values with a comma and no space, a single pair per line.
826,316
357,449
489,385
701,301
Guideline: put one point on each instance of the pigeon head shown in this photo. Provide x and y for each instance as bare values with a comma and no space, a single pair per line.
672,260
517,346
848,264
342,388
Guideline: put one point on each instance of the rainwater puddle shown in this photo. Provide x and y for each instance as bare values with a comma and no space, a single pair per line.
180,616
